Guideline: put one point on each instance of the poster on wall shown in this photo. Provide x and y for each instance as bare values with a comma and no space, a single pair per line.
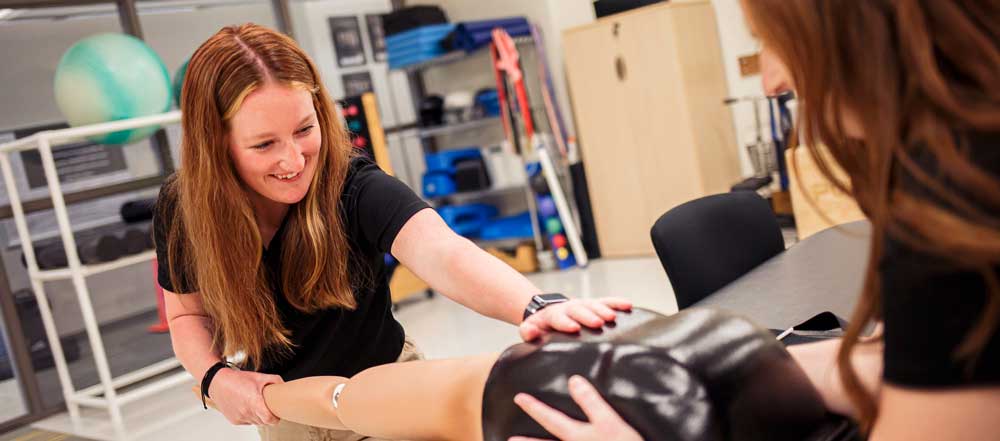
77,161
74,162
376,36
346,34
357,83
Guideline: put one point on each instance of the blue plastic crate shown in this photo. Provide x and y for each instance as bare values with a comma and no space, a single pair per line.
421,37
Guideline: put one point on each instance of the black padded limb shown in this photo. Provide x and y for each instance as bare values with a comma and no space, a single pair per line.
698,375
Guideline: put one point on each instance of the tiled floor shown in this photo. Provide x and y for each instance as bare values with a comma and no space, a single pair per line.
441,328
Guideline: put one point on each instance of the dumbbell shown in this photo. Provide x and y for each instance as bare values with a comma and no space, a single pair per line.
137,211
137,240
538,184
103,248
91,250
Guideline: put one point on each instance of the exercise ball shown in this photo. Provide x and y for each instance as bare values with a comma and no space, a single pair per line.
179,82
109,77
547,206
553,226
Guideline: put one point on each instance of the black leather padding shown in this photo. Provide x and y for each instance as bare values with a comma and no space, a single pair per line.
698,375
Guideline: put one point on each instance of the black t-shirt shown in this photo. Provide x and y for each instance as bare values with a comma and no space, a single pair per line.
334,341
930,304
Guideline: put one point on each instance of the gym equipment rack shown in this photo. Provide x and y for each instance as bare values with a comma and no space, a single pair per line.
145,382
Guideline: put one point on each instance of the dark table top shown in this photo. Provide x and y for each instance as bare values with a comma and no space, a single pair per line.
824,272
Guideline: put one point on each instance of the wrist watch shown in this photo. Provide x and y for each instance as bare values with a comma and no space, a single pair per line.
542,301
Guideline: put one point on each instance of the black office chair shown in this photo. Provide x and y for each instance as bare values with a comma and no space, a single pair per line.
706,243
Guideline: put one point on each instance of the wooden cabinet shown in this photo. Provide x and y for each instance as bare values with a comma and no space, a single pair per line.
647,88
816,202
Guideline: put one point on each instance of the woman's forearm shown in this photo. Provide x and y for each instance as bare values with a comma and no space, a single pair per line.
457,268
191,338
486,284
819,361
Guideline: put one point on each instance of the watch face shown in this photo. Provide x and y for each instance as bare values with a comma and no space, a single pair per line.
552,298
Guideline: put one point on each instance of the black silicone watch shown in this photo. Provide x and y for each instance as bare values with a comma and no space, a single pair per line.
542,301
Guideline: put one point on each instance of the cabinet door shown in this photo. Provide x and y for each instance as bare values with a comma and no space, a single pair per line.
609,148
660,123
705,88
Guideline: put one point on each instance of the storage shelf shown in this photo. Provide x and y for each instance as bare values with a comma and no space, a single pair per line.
132,377
138,393
145,383
62,136
89,270
426,135
459,127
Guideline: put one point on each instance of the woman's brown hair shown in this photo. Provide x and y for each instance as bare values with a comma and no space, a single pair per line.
220,238
917,77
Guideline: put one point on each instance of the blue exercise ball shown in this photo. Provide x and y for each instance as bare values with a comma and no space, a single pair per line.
109,77
546,206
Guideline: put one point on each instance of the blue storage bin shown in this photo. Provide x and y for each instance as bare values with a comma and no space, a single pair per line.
472,35
424,36
416,45
510,227
467,220
445,161
489,102
438,184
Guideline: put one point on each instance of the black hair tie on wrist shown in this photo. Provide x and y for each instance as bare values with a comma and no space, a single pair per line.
207,379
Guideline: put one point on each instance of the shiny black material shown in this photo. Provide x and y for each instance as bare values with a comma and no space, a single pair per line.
698,375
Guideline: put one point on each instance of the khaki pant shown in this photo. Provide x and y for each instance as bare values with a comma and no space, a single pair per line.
289,431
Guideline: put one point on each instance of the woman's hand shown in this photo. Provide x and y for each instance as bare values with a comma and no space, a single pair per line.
568,316
604,423
239,396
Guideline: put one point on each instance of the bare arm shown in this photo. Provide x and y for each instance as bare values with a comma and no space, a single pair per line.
819,361
237,394
417,400
457,268
190,332
971,414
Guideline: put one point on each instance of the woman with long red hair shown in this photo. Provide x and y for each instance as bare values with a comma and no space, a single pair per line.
905,95
270,239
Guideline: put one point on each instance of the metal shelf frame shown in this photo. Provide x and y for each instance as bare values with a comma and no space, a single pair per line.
105,394
447,129
417,90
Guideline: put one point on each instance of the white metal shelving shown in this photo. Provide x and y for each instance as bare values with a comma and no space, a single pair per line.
414,73
108,393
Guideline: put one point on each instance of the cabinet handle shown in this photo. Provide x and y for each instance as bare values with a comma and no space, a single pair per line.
620,68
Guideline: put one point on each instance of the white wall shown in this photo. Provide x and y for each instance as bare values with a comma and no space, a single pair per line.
737,42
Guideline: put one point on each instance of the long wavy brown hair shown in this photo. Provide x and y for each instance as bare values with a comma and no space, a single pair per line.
918,76
220,242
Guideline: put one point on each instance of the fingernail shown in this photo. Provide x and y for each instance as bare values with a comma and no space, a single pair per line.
521,399
575,381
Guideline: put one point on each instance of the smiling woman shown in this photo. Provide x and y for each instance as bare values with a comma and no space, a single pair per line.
271,239
273,143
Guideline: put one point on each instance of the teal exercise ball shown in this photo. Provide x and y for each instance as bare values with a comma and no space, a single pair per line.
109,77
179,82
553,226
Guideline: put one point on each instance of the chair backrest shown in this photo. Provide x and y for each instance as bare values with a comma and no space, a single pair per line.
709,242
